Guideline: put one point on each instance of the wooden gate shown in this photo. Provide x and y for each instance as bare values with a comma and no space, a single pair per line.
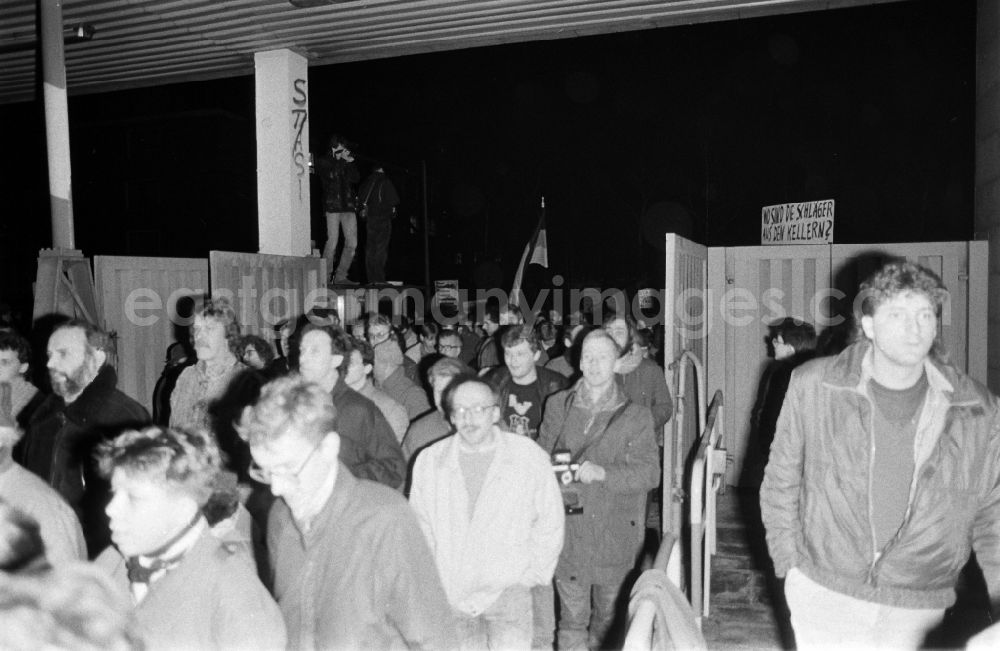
750,287
685,329
138,300
267,289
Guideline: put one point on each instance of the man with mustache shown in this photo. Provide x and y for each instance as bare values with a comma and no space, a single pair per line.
84,409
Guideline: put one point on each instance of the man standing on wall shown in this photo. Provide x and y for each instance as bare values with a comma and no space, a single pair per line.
338,176
883,476
377,206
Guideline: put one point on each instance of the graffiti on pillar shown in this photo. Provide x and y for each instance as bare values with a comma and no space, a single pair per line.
300,114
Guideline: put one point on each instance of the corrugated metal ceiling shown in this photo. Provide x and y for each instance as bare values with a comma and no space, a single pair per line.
152,42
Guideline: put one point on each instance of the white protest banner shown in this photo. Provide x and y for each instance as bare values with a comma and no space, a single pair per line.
809,222
446,293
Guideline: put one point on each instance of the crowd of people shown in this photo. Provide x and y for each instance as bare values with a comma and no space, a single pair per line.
382,485
374,484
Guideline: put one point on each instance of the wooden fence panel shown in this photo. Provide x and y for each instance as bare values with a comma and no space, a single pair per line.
684,308
267,289
138,300
819,283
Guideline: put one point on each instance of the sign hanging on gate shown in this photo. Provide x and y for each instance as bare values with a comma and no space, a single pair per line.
808,222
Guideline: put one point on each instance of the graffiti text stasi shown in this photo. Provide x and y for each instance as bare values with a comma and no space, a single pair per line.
300,114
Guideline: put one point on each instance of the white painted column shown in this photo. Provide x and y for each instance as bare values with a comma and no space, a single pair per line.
988,165
282,94
57,125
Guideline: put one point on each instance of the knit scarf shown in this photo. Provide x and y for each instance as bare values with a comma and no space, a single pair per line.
167,556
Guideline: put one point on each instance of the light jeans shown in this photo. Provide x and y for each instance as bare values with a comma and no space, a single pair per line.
334,222
504,625
580,626
543,607
825,619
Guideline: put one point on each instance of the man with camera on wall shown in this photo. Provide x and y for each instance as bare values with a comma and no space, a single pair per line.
489,505
607,443
339,177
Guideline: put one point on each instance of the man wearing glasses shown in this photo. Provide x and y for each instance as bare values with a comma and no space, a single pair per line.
350,568
449,344
489,505
378,328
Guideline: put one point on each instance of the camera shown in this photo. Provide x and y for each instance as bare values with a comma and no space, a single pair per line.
564,467
567,474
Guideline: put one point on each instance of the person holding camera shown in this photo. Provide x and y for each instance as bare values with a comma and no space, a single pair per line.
607,443
338,177
489,505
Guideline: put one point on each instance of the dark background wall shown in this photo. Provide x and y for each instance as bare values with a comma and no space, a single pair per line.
689,129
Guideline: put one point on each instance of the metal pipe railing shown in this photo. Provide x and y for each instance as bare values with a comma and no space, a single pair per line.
676,453
660,617
707,469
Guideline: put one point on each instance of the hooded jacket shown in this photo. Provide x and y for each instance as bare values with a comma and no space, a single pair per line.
817,489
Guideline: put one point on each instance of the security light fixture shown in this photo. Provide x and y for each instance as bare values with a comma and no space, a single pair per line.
71,34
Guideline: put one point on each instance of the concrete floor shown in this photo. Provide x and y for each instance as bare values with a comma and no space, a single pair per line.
747,608
742,607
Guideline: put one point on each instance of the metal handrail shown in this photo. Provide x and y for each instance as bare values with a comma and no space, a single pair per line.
707,471
660,617
671,519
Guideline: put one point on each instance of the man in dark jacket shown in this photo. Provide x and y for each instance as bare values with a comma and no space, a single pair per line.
377,206
487,351
368,447
793,343
352,569
85,409
883,476
339,176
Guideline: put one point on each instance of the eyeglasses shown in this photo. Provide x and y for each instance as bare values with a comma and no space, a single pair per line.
265,476
448,347
477,411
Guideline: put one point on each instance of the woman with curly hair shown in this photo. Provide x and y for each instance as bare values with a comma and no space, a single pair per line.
190,590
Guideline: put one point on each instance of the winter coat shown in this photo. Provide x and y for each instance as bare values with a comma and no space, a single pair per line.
360,576
338,179
602,543
378,196
816,495
60,442
515,532
645,384
211,600
368,446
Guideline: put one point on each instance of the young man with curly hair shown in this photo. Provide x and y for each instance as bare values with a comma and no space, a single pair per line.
884,475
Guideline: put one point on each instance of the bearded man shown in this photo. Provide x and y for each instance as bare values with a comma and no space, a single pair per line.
84,409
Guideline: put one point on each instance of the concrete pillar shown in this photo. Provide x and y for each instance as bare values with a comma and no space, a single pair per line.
988,165
57,125
282,94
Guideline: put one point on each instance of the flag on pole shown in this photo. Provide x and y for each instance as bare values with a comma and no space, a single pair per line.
536,252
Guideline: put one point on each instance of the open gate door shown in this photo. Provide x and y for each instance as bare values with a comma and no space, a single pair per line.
684,309
753,286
